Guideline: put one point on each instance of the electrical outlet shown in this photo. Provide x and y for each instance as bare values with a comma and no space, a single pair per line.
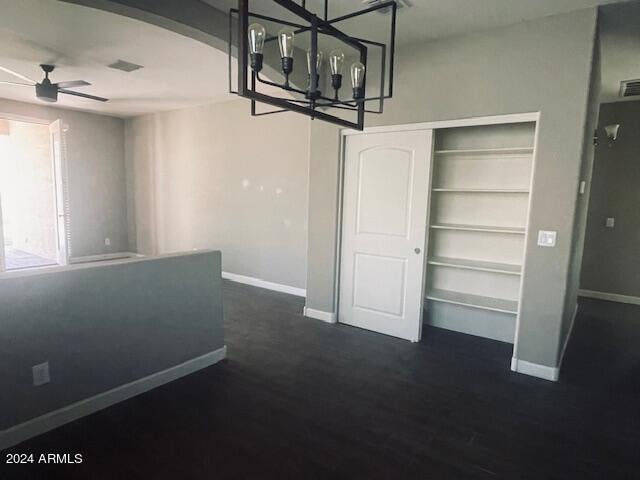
547,238
107,242
41,374
610,222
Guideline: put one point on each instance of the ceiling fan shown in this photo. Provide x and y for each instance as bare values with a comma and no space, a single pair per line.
47,91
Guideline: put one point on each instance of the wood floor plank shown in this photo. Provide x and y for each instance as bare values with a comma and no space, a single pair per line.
298,398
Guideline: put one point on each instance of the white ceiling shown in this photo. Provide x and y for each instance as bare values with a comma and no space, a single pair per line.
432,19
180,71
620,49
81,42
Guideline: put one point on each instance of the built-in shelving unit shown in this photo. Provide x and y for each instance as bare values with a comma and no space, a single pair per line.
478,217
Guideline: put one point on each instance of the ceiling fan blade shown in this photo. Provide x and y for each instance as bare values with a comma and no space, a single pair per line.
83,95
19,75
15,83
73,83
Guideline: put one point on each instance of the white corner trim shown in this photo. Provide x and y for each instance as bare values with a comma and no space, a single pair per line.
257,282
39,425
611,297
328,317
535,370
566,340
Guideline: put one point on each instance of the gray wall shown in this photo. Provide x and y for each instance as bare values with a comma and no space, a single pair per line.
580,221
96,173
215,177
611,260
544,66
103,325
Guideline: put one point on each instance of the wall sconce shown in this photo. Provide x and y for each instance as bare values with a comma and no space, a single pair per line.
612,132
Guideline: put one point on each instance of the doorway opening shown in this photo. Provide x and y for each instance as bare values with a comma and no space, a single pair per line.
31,198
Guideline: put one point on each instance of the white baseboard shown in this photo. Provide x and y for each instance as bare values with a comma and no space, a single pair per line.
328,317
39,425
535,370
103,257
256,282
542,371
611,297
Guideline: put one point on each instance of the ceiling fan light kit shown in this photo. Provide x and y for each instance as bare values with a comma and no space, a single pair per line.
45,90
252,37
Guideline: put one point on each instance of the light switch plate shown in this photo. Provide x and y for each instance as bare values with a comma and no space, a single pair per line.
41,374
610,223
547,238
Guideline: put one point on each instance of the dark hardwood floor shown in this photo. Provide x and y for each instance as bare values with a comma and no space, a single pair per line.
300,399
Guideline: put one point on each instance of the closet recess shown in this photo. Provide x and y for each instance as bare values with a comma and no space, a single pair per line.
478,224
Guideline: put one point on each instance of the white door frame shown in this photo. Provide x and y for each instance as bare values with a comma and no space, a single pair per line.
60,185
2,261
61,175
435,125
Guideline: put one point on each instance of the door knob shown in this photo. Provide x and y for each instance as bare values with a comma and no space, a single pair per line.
417,250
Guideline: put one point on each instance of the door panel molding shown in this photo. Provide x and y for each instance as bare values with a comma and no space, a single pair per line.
384,185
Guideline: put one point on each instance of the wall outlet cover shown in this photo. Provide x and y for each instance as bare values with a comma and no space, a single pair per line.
547,238
41,374
610,222
107,242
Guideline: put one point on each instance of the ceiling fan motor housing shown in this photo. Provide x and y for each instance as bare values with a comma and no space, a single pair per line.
47,93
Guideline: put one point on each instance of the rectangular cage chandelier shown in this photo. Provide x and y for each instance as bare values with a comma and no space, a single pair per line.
276,80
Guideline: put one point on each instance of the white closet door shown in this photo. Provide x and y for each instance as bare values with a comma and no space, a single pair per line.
386,192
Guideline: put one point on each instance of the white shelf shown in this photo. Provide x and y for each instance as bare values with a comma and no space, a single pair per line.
481,190
487,151
463,263
479,228
475,301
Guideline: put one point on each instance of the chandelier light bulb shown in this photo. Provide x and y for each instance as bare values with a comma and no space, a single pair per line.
357,75
357,79
336,62
285,42
319,58
257,35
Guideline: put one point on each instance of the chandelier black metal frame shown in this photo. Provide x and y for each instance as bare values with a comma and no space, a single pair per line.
252,36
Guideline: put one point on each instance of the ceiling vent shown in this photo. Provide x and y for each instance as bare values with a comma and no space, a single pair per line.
630,88
385,11
125,66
